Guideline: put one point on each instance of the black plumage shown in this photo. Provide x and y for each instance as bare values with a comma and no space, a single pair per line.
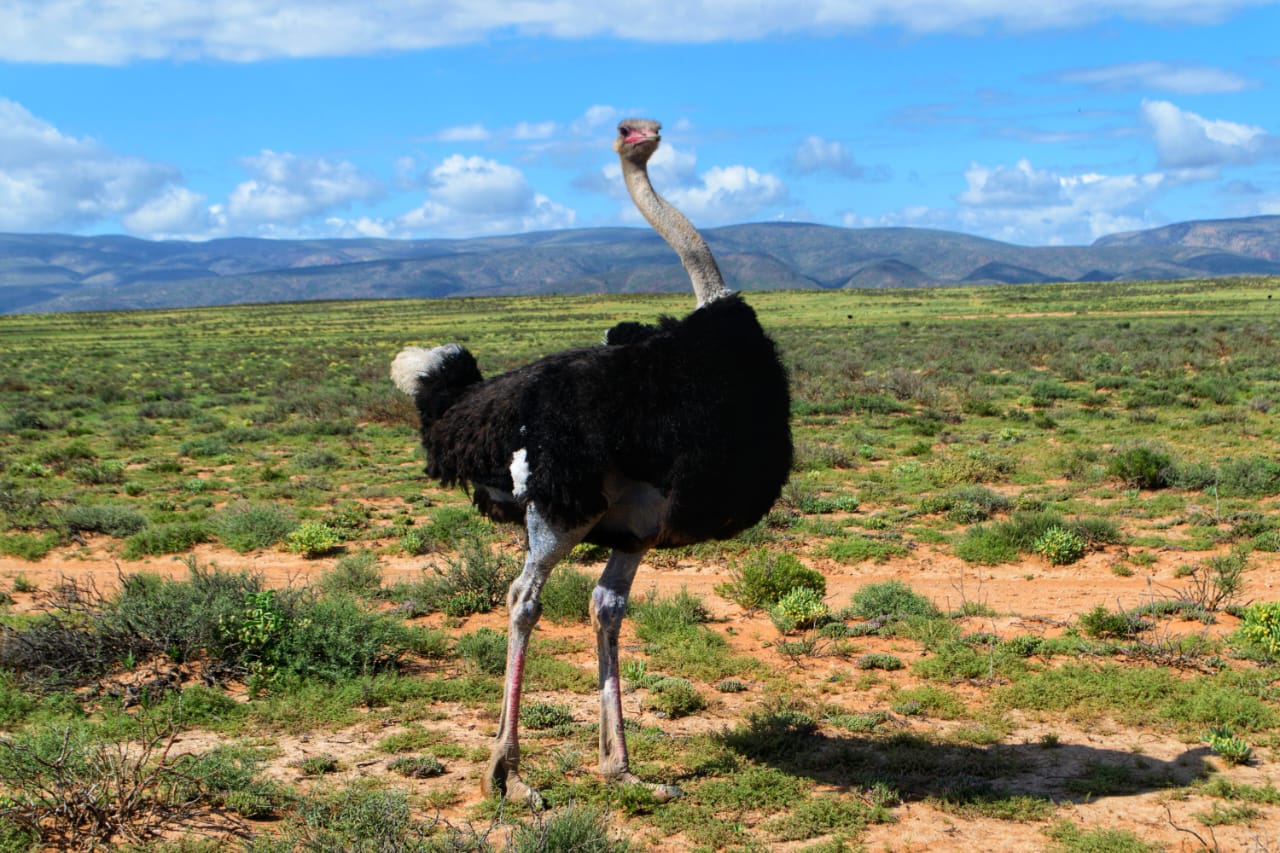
695,408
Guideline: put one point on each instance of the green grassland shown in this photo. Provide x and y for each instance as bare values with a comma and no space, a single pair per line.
1023,427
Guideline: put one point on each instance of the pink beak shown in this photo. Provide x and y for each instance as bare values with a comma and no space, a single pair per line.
637,135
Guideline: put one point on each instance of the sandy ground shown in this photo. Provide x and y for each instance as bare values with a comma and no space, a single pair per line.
1030,597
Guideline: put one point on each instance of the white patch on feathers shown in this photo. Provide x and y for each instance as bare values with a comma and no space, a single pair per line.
519,472
415,362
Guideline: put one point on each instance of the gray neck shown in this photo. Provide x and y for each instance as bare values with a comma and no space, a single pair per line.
678,231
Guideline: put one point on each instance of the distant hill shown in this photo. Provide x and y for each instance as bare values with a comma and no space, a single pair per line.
59,272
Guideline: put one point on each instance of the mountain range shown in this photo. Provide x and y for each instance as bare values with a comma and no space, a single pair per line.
60,272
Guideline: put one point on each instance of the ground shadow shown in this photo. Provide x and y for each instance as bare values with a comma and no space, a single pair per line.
919,767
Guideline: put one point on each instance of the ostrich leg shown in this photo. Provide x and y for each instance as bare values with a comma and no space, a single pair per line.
548,545
608,605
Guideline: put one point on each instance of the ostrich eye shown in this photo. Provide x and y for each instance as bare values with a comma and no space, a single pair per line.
623,130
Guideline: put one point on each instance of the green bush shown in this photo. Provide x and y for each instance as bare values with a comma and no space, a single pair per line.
1256,476
1060,546
800,608
1142,467
675,697
354,574
486,649
172,538
1101,622
117,521
764,577
573,828
986,547
245,527
312,539
891,600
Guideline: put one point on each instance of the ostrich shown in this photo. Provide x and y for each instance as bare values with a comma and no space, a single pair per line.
663,436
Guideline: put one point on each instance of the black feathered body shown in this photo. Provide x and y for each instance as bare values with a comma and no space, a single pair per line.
675,435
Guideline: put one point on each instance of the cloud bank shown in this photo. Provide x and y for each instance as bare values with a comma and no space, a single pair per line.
92,32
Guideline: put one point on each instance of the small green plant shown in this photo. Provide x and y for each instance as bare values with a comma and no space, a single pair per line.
486,649
675,697
313,539
800,608
1234,750
879,660
416,766
544,715
317,765
1261,627
1060,546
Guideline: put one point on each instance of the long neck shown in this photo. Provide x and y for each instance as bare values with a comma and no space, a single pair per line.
678,231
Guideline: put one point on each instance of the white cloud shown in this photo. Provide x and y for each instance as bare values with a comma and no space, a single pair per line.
474,195
49,180
89,31
1180,78
815,154
286,189
1185,140
462,133
1023,204
719,196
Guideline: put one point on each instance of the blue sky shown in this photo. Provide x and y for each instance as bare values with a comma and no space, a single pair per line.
197,119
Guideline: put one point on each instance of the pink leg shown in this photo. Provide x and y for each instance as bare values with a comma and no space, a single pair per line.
608,605
547,546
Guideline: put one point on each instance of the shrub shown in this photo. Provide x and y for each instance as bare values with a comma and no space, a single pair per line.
172,538
1256,476
892,600
764,577
473,581
312,539
675,697
802,607
856,548
575,827
354,574
486,649
544,715
117,521
985,546
1101,622
1142,467
245,527
1060,546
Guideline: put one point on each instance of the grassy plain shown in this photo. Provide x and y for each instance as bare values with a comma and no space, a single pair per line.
1019,593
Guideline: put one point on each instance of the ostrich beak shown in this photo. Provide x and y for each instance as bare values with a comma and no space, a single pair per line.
637,135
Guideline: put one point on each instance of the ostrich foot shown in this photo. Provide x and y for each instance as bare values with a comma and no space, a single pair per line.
503,781
661,793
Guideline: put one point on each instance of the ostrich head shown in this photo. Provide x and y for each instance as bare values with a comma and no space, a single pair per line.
637,139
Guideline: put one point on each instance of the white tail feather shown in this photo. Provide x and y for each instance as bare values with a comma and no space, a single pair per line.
412,363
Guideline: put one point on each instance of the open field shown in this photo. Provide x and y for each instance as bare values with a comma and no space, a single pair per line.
1020,593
